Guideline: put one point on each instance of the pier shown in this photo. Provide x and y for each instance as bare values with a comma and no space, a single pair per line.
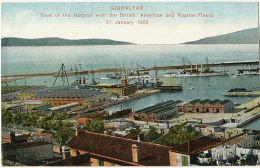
234,94
9,78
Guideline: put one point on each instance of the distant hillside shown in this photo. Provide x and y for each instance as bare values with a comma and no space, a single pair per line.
247,36
58,42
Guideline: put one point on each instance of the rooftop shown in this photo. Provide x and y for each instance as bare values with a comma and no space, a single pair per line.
61,92
64,106
159,108
121,148
6,147
195,146
235,140
212,102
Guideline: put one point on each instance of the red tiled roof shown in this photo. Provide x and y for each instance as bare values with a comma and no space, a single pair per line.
200,126
121,148
43,134
82,121
196,146
23,145
17,138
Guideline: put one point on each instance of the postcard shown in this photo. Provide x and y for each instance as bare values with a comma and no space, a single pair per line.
130,83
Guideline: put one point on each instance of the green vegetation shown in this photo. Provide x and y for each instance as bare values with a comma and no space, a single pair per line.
135,132
51,123
62,135
152,135
177,135
97,126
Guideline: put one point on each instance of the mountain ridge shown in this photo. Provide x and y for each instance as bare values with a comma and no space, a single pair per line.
246,36
55,41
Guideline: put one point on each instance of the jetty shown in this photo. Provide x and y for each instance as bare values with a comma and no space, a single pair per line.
248,93
8,78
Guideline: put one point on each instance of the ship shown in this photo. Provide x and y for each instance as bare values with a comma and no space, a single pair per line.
112,76
196,73
248,71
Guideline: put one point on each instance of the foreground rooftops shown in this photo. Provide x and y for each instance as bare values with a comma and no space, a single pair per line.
196,146
121,148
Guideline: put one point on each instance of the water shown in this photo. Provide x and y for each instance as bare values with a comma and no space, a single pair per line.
253,125
47,59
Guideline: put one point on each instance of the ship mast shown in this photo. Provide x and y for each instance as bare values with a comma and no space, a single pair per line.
63,75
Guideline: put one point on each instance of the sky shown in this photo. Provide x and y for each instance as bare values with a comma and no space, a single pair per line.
24,20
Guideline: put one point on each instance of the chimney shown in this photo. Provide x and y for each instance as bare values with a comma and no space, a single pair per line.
124,82
138,138
65,153
11,136
135,153
78,130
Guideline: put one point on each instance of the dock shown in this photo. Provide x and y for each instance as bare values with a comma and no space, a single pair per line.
7,78
236,94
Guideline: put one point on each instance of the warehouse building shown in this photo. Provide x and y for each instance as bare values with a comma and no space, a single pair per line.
57,96
208,106
156,112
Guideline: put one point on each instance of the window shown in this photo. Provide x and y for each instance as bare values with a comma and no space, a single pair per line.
180,110
207,110
100,162
184,160
197,110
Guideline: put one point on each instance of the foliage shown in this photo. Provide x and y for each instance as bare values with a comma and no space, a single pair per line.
135,132
97,126
177,135
151,135
62,135
6,117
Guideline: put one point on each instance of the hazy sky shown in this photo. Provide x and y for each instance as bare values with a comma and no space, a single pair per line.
24,20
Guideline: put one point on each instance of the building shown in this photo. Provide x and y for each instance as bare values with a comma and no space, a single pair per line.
61,109
9,96
30,104
41,109
123,89
16,109
194,152
82,121
243,141
156,112
208,106
257,141
46,137
27,153
10,93
57,96
233,131
108,150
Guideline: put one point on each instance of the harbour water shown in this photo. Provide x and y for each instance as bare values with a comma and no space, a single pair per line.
253,125
47,59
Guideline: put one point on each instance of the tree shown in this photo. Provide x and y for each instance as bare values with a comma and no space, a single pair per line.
97,126
7,118
152,135
62,135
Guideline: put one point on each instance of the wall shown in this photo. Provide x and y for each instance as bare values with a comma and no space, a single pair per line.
176,159
32,153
